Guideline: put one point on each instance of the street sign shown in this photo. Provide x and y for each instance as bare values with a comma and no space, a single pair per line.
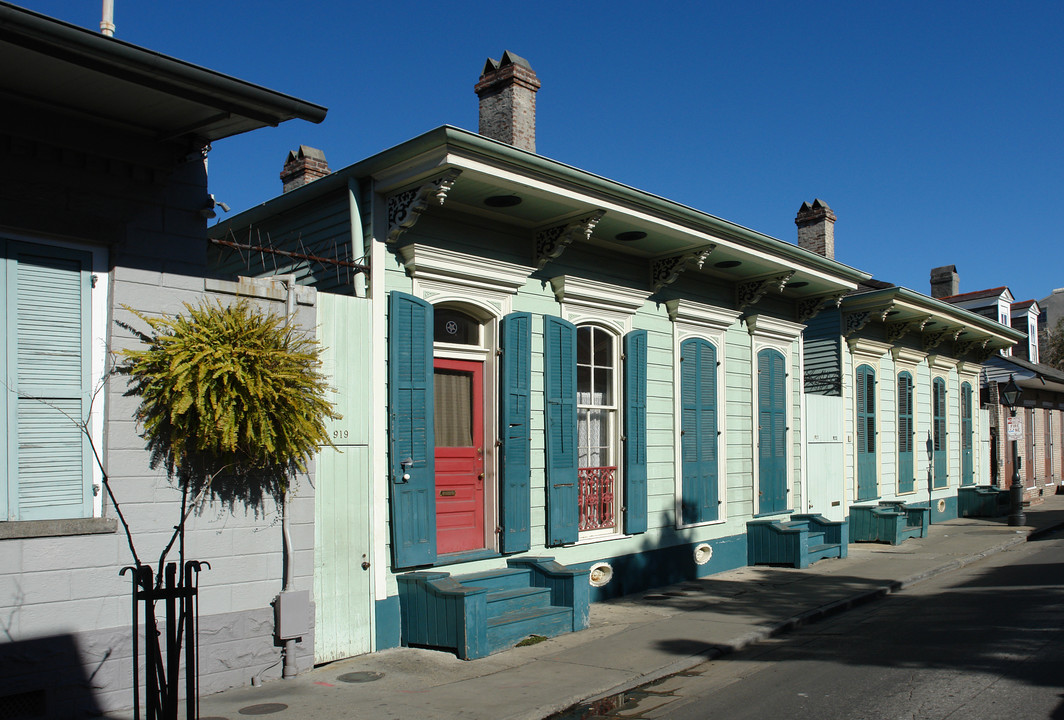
1015,428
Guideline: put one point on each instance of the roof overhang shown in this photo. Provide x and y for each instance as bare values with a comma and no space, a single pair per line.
906,312
101,83
465,169
1028,375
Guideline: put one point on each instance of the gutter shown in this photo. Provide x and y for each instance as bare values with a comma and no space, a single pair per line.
133,63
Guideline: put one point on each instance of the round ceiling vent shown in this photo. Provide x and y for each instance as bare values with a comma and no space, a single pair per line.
703,553
601,573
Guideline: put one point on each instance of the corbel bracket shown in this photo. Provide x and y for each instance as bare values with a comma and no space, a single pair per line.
809,308
856,321
934,339
896,331
750,293
404,208
963,348
551,242
665,271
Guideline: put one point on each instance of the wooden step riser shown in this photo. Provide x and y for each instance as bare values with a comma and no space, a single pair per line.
504,580
498,607
506,635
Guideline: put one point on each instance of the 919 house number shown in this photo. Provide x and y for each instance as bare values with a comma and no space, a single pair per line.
339,434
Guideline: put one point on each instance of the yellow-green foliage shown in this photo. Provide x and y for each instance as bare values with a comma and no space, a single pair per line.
230,393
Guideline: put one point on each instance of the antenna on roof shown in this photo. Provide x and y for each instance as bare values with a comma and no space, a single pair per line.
107,24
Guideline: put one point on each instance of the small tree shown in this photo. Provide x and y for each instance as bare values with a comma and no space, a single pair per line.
1052,352
232,404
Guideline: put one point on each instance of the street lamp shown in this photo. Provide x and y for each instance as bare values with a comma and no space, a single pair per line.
1010,398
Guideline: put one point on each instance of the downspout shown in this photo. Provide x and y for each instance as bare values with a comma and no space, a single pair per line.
289,668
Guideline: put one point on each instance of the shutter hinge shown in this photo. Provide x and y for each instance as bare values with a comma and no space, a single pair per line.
498,443
498,353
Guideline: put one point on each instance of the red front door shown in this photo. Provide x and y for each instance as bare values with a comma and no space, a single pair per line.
459,422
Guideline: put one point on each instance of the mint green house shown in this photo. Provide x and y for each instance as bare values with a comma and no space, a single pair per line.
556,388
892,377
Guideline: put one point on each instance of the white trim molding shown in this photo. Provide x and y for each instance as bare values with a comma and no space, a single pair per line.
907,357
708,317
867,351
773,329
426,264
585,300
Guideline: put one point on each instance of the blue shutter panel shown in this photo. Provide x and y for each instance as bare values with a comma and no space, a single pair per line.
906,477
698,431
559,386
635,432
48,328
967,469
410,400
515,465
772,433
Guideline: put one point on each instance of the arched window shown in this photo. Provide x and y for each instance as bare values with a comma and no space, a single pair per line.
597,426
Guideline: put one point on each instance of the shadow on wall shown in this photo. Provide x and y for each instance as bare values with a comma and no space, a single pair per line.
45,678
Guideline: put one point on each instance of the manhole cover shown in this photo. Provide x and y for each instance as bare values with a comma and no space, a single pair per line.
263,709
360,677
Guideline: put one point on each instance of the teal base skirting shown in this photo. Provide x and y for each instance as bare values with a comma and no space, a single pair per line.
387,612
658,567
948,511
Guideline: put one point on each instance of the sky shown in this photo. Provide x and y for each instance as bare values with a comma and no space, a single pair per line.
934,130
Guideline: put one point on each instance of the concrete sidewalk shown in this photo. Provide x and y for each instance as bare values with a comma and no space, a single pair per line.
631,641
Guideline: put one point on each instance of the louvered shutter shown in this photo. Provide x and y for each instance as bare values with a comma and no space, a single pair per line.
48,329
635,432
938,410
906,477
772,434
867,469
698,431
411,436
559,359
515,466
967,471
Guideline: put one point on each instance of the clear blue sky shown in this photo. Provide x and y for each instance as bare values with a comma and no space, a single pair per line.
934,130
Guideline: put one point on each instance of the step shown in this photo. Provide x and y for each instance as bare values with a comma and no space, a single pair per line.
510,629
501,602
816,539
827,550
499,579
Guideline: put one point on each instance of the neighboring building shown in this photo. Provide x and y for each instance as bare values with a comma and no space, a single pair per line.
1042,414
104,207
893,380
569,367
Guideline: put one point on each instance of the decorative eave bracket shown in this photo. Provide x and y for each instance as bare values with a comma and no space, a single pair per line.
552,241
751,292
976,346
405,207
809,308
665,271
897,330
934,339
856,321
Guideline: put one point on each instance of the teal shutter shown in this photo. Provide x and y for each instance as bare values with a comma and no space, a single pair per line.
698,431
906,472
772,431
411,436
559,386
967,471
635,432
515,419
48,326
938,422
867,469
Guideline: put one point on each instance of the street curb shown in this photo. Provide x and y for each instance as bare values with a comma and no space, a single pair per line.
613,698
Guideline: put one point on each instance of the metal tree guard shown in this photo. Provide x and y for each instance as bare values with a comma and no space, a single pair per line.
162,671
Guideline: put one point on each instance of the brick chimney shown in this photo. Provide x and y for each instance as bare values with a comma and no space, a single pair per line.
302,166
945,281
507,91
816,228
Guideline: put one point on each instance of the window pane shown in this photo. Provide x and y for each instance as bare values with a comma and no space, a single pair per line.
453,326
453,411
603,390
603,348
583,345
583,385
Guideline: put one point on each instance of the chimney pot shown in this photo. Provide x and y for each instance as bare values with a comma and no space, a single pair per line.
507,90
302,166
945,281
816,228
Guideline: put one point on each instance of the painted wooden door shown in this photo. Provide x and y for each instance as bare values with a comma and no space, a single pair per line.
343,490
772,432
906,437
938,430
698,431
458,394
967,440
867,467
